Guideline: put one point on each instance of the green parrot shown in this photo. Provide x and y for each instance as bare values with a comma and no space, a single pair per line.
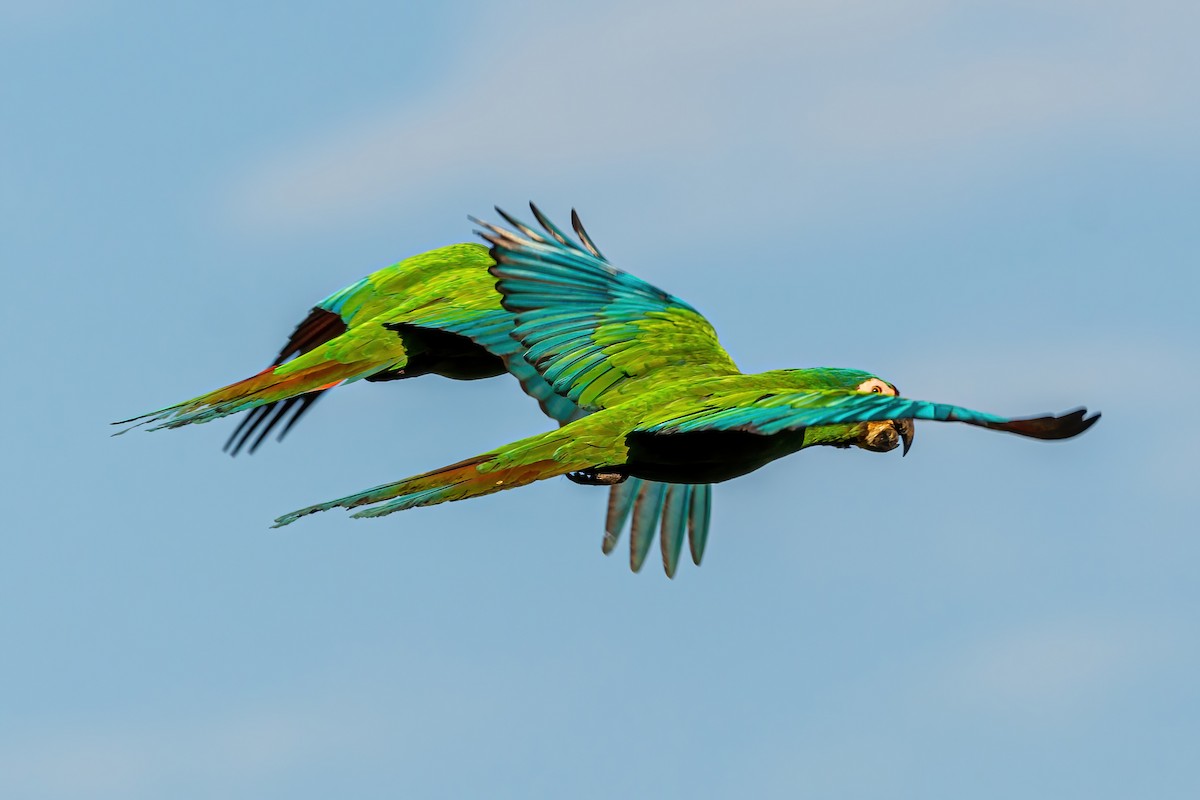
668,404
435,313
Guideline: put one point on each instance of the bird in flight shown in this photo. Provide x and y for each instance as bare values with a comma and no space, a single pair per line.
437,313
667,403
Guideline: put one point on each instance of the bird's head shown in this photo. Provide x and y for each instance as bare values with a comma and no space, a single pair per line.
885,436
878,437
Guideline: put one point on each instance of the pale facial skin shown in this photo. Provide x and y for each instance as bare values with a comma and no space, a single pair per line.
886,435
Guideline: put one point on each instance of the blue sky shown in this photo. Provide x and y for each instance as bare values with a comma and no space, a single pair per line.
987,203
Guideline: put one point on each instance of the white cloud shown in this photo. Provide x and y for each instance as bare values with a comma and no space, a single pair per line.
687,88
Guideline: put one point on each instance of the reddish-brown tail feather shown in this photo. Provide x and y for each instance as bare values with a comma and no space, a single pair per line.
470,478
269,386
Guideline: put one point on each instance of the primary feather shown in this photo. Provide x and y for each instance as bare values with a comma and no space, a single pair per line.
596,334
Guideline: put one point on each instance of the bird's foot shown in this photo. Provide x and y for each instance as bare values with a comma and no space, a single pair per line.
597,477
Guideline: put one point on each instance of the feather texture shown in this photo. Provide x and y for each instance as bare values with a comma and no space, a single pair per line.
473,477
675,524
768,414
636,377
646,511
437,312
595,333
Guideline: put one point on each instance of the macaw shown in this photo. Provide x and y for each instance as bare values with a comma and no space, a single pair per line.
434,313
668,403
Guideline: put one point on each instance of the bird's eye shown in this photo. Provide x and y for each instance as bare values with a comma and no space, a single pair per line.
875,386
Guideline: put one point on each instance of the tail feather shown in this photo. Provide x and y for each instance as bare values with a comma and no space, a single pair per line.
269,386
474,477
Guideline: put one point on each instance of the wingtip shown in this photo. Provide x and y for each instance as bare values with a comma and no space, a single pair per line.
1075,422
292,516
549,227
1051,427
581,232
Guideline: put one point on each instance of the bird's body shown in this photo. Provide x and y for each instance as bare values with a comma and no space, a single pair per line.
647,399
618,442
669,404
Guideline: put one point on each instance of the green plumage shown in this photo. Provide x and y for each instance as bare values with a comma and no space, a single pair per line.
646,396
667,434
670,406
444,290
434,313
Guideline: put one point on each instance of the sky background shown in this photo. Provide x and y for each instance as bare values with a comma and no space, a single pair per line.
991,204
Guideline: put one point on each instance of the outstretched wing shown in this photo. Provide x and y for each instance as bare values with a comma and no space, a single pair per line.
320,326
370,330
365,331
768,414
445,290
596,334
358,306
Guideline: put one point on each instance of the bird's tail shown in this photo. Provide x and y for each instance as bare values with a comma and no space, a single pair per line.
473,477
310,373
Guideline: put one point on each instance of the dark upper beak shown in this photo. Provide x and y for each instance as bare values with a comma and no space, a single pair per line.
906,429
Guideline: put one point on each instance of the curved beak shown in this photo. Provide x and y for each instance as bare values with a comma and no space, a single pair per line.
906,429
886,435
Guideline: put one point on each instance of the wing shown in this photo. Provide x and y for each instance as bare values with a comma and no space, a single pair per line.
596,334
360,332
319,327
772,413
385,290
493,332
446,290
681,508
377,328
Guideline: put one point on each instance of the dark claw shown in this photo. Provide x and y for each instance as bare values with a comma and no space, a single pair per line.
906,428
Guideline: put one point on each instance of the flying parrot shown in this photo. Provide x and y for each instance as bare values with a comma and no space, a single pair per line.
434,313
668,404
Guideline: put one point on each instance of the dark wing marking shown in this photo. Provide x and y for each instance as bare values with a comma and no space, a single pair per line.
319,327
